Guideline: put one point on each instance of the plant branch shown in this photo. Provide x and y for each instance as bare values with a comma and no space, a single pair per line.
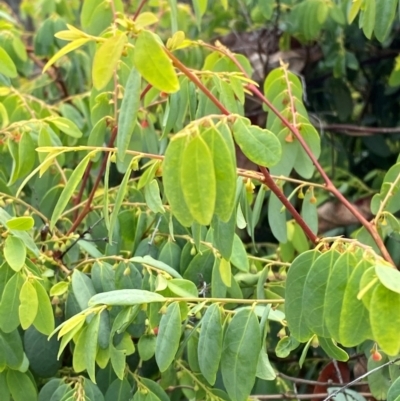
360,378
292,396
181,67
268,180
271,184
328,183
356,130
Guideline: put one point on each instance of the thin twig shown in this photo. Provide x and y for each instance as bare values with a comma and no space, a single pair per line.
290,396
334,394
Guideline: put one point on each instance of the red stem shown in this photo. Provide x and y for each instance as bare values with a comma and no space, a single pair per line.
267,178
329,184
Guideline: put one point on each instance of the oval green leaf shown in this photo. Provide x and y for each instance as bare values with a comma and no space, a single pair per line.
106,59
198,180
209,349
241,348
14,252
153,63
259,145
28,307
169,334
23,223
125,298
172,167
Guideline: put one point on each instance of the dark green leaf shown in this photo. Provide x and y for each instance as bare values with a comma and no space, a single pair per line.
241,348
168,337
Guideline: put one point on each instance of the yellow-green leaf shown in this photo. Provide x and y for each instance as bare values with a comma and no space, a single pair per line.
7,66
153,63
69,189
225,272
23,223
66,49
14,252
224,160
66,126
106,59
29,304
172,167
198,180
44,321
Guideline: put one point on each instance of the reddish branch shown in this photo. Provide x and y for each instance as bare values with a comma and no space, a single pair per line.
328,183
267,178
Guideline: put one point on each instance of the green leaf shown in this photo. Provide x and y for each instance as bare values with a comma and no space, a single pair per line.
385,321
44,320
147,346
225,272
309,210
7,66
169,334
287,344
24,223
153,63
148,260
118,390
265,371
172,168
83,289
294,303
389,277
9,306
21,386
79,360
314,292
224,161
379,381
303,164
394,391
332,350
369,17
106,59
210,343
335,291
118,202
241,348
153,198
69,189
67,126
128,113
125,298
198,180
12,351
239,255
277,218
4,391
14,252
224,235
92,334
64,50
354,316
28,307
385,15
259,145
182,287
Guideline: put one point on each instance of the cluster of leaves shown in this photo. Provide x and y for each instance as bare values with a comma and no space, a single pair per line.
124,272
